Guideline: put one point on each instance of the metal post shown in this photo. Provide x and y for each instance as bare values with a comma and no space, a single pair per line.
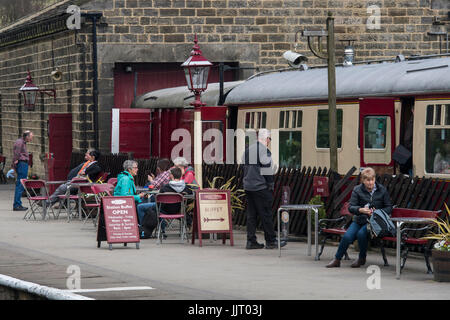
332,93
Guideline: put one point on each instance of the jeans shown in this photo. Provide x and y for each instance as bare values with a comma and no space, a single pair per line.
355,231
22,173
142,208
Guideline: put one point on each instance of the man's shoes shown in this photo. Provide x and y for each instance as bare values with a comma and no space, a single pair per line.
335,263
254,245
358,263
20,208
274,244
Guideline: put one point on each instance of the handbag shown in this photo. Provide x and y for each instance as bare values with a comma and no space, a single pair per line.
380,225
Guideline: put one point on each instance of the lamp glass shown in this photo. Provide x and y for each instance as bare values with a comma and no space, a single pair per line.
29,97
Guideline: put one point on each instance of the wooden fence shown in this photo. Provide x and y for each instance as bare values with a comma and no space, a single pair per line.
405,192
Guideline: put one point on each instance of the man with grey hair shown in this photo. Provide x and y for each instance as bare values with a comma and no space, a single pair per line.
258,185
21,158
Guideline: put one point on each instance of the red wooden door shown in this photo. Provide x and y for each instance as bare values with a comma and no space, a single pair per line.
131,132
60,144
377,132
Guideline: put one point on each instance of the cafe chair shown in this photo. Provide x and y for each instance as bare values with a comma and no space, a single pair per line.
112,181
170,198
37,202
94,192
66,199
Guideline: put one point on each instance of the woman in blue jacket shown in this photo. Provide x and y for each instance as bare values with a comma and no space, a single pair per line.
126,187
366,197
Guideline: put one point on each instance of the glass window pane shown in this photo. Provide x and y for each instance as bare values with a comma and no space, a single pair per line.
258,120
437,119
322,140
299,119
287,119
437,155
447,115
430,113
264,120
252,120
290,148
375,132
294,118
247,120
281,124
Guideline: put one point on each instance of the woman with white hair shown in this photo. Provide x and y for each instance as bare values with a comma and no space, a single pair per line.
188,172
126,187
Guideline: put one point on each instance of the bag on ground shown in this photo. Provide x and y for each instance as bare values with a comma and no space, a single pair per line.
381,225
150,221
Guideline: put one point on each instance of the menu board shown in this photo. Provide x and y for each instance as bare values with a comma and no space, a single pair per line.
120,219
213,213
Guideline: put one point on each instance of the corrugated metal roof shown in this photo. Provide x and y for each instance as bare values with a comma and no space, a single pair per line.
181,97
372,80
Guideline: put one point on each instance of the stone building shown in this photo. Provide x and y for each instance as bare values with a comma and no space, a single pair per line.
141,44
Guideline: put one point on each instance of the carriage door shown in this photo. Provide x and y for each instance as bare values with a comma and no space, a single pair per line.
377,134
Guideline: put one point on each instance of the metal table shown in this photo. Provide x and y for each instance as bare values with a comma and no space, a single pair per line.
309,208
399,222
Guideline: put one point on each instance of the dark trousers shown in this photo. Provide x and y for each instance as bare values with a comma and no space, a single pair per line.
259,203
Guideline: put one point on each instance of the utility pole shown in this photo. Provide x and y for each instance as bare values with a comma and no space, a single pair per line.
319,52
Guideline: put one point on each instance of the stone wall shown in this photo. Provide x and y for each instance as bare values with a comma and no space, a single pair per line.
253,32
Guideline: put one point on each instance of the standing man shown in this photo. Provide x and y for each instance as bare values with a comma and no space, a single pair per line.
258,186
20,164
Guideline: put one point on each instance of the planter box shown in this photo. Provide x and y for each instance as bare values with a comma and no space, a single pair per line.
441,265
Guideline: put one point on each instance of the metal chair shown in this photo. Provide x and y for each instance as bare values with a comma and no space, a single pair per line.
65,199
36,201
98,191
171,198
112,181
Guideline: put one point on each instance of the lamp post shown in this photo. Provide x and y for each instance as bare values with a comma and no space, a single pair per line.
196,70
331,59
30,90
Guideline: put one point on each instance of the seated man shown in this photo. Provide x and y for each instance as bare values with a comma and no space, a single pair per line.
175,185
89,169
162,174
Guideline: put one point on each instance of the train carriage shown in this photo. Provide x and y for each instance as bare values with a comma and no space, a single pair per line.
376,103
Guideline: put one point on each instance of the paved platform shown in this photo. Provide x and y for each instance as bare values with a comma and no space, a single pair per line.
48,252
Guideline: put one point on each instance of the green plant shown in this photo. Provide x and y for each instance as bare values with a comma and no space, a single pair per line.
443,236
322,213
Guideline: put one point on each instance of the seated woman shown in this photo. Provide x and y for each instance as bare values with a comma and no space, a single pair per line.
188,174
126,187
366,197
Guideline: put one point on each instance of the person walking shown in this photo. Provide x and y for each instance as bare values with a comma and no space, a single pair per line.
20,161
258,185
365,198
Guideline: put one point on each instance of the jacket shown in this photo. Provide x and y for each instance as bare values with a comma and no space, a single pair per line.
125,186
258,172
173,186
92,171
360,197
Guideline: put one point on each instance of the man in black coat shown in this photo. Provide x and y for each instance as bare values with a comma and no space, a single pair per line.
88,169
258,185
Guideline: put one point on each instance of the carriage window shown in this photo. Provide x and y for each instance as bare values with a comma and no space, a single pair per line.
255,120
281,123
447,115
247,120
290,148
430,113
437,151
299,119
437,120
375,132
323,129
264,120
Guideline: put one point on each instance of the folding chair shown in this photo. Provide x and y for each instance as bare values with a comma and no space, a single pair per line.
37,202
65,199
170,198
101,178
98,191
112,181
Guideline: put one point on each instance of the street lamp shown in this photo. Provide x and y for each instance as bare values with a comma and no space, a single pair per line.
196,70
30,90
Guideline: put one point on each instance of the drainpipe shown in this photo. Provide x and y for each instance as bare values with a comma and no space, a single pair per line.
94,18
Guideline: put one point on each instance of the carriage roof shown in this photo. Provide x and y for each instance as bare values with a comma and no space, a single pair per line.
180,97
410,77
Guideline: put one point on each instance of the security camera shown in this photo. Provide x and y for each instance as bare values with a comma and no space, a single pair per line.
294,59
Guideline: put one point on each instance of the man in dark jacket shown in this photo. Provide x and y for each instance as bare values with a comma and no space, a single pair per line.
366,197
258,185
89,169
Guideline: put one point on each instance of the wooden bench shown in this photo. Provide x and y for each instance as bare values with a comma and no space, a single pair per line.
341,225
408,239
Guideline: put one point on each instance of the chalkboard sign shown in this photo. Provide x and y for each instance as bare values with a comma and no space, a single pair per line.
120,220
212,214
